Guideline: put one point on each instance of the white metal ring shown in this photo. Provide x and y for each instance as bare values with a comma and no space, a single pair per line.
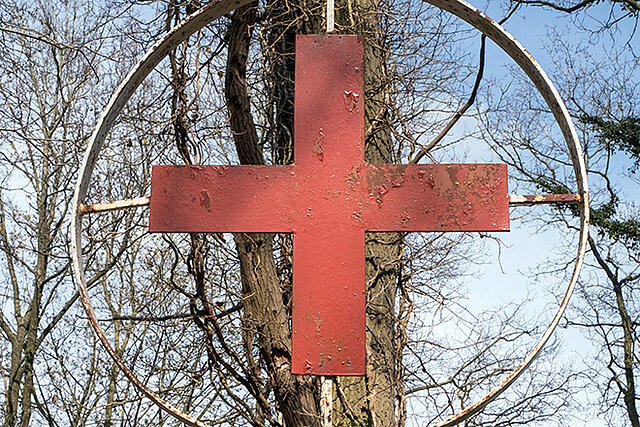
216,9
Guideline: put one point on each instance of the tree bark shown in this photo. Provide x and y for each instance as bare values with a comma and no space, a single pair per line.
264,305
25,343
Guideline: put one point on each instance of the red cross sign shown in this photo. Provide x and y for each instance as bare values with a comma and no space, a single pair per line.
328,199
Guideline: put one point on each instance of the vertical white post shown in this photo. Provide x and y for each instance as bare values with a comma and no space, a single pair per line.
330,16
326,400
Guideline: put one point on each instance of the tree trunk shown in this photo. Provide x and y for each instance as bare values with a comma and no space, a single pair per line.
264,304
266,297
25,343
628,390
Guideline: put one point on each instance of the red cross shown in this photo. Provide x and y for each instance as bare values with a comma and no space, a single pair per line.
328,199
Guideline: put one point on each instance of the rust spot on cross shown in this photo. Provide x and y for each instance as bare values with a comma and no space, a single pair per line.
328,199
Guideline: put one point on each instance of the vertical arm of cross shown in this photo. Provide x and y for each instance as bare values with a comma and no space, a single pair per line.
328,251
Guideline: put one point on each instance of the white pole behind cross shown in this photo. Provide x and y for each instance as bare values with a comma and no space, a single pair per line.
326,401
330,16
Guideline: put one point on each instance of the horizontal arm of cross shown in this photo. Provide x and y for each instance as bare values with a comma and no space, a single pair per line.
222,199
470,197
377,198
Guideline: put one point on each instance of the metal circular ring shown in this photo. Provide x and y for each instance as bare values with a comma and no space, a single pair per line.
218,8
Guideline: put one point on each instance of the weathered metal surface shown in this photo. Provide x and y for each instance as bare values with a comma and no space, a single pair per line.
221,199
543,199
441,197
298,198
328,199
216,9
328,325
113,206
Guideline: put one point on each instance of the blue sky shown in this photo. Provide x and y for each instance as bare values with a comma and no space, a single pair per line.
526,247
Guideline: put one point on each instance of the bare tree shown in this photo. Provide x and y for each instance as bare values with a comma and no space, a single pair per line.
40,144
205,319
601,94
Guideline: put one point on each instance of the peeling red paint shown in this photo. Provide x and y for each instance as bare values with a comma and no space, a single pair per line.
328,199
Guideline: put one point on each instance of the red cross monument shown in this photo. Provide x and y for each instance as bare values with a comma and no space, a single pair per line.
328,199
